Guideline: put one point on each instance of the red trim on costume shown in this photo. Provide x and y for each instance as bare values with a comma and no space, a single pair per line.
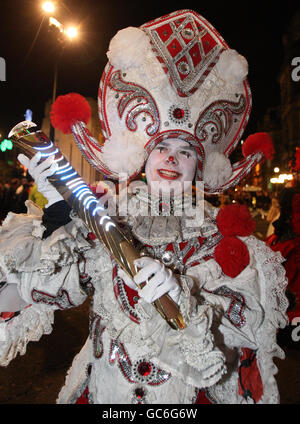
83,399
250,382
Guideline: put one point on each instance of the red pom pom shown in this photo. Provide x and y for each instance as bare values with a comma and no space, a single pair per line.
68,109
258,142
235,220
232,255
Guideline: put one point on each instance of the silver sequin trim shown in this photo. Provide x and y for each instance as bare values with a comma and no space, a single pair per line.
219,117
146,103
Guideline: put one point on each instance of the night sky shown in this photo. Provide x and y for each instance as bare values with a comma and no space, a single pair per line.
253,28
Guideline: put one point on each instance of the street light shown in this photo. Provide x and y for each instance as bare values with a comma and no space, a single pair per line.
56,23
62,33
71,32
48,6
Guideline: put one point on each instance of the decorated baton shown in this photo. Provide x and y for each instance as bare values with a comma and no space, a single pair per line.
82,200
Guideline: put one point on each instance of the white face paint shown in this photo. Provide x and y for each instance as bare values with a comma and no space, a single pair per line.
169,165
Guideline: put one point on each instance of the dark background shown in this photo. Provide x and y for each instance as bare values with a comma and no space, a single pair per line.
253,28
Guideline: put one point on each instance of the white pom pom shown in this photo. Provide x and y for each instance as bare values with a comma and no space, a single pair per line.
128,48
232,67
123,154
217,170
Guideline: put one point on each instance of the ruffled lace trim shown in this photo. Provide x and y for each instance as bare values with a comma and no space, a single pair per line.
23,250
272,284
30,325
276,304
77,378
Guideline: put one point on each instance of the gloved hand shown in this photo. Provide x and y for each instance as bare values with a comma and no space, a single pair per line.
162,280
40,173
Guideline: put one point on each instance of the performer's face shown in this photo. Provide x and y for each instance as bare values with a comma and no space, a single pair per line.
172,162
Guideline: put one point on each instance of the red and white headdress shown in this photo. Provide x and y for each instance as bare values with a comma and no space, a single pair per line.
174,77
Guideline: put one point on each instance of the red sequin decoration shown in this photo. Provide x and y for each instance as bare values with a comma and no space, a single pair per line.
144,369
178,113
139,393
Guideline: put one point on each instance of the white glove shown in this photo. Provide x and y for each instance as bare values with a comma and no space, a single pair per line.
162,280
10,300
40,173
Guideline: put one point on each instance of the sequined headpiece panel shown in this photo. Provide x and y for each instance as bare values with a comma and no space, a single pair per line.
187,46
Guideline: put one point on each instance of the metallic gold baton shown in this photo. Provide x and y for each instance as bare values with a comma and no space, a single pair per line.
81,199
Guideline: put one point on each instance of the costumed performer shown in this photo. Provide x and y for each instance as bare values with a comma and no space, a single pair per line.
175,98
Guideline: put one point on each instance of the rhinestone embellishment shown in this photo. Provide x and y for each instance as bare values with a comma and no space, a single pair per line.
167,258
139,394
184,68
188,33
141,371
178,114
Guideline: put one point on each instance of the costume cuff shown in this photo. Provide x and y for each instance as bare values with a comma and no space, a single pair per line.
55,216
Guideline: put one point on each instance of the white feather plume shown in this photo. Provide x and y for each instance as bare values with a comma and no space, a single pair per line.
232,67
124,154
217,170
128,48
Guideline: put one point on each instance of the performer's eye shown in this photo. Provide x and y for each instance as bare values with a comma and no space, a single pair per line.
185,153
161,149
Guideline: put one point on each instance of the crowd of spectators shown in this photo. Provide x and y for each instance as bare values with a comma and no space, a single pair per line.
253,199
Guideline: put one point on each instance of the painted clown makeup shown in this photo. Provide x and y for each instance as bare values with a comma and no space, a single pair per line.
169,165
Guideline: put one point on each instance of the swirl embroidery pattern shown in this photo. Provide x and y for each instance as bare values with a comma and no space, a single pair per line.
218,115
145,103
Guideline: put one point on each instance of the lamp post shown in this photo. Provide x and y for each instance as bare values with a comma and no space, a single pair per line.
62,33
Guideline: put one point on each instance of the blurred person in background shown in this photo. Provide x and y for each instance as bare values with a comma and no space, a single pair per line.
286,237
37,197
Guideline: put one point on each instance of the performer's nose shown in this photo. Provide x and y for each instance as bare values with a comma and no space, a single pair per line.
171,159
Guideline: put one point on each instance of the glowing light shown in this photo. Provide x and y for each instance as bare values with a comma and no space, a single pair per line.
66,177
79,188
98,208
44,148
74,182
48,7
281,178
6,144
59,159
103,218
28,115
71,32
64,170
44,155
56,23
87,198
90,202
82,190
108,225
83,193
276,169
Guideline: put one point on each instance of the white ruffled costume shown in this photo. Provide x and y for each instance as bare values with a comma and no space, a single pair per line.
132,355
